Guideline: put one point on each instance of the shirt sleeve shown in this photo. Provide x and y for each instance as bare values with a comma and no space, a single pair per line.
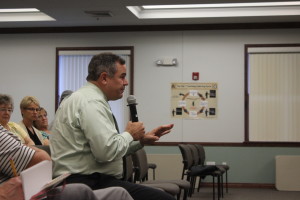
97,123
10,148
134,146
18,130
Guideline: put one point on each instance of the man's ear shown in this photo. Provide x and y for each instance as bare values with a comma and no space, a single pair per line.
103,78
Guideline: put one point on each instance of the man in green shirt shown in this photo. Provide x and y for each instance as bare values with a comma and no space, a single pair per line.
85,141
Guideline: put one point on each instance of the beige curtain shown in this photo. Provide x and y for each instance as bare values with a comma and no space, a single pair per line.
274,99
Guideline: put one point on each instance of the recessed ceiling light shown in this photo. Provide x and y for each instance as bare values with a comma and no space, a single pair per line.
19,10
23,14
221,5
217,10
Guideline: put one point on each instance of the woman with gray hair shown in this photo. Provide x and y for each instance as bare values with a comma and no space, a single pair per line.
6,109
30,107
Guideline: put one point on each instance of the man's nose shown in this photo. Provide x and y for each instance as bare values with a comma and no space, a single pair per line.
125,82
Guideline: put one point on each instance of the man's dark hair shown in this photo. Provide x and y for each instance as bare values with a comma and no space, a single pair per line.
104,62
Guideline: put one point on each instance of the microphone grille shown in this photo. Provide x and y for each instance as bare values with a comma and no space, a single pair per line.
131,99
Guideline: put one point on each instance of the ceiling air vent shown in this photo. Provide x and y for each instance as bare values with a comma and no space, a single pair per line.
99,14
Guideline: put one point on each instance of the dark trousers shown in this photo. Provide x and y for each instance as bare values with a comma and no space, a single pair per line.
138,192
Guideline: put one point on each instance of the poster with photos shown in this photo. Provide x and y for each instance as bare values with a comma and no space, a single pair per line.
194,100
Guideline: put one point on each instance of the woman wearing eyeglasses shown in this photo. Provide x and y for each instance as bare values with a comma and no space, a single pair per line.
30,107
6,109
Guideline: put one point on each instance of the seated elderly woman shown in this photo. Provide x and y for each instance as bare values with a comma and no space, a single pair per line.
30,107
42,123
25,157
6,109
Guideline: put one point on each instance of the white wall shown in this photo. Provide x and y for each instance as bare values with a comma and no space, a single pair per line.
28,68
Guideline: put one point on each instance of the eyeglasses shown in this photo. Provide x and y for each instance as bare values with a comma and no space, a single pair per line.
6,110
33,109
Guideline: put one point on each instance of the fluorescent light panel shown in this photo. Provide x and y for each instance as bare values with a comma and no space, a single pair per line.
23,14
217,10
222,5
19,10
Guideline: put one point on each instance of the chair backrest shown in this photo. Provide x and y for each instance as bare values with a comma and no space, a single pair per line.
187,157
127,168
195,153
45,148
201,152
140,163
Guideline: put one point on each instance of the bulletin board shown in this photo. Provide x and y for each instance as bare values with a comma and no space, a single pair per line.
194,100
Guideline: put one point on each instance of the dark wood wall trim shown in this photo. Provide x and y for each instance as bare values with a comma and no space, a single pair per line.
245,185
174,27
233,144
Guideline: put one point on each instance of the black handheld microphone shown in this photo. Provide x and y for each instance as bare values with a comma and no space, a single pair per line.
132,106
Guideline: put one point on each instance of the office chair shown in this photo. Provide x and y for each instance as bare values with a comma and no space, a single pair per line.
140,163
128,174
153,167
192,170
45,148
206,170
187,159
222,167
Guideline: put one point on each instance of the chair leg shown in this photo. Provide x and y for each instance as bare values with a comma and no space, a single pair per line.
182,175
222,186
189,178
178,195
153,174
199,184
219,187
185,194
193,181
213,188
226,181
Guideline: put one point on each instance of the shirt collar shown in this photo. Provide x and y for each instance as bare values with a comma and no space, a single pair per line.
97,89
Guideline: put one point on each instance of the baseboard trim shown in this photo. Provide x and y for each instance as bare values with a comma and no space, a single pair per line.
244,185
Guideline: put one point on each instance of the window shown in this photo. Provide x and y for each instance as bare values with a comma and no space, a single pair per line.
72,68
272,97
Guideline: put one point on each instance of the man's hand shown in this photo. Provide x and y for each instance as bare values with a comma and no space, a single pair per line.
136,129
12,189
155,134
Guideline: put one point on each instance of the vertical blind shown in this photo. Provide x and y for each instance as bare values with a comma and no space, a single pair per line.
73,70
274,97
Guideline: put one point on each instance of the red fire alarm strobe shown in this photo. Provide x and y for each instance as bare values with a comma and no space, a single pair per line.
195,76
